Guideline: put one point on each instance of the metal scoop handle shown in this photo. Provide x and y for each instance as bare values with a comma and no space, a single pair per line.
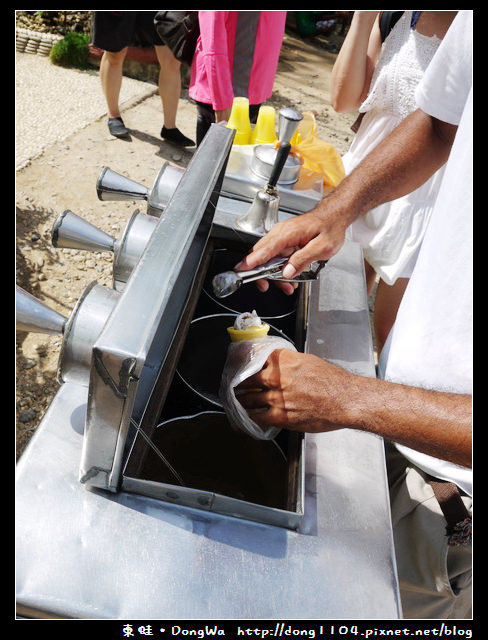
224,284
271,268
304,276
281,158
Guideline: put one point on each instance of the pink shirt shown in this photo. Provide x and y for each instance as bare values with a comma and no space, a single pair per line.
215,73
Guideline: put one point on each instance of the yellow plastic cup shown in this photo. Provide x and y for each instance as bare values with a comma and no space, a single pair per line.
252,333
264,129
239,120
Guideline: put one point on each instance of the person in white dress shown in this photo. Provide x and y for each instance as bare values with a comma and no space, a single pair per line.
379,80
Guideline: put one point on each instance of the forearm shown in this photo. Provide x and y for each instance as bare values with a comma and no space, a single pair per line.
302,392
432,422
222,115
397,166
354,65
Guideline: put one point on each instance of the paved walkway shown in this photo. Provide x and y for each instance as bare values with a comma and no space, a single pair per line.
53,102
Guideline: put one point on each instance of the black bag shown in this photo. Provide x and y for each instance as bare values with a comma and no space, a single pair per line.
179,30
388,20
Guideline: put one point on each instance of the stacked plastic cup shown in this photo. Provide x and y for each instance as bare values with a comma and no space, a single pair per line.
264,129
239,120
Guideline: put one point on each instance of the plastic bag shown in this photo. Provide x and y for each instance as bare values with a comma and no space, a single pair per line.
244,359
317,155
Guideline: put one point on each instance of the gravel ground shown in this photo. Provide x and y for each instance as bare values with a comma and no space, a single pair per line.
62,144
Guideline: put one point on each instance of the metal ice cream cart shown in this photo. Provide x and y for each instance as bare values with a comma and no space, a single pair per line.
135,500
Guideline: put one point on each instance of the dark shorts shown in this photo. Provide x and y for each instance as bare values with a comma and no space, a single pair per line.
114,30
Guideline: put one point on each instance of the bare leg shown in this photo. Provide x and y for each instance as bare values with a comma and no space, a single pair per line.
169,84
387,302
170,90
370,275
111,66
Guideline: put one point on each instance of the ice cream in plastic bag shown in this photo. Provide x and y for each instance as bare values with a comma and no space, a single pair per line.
248,351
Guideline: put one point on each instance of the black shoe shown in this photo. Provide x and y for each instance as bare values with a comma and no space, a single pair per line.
176,137
117,127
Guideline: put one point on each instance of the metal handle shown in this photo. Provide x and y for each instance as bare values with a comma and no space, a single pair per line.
312,273
226,283
271,268
279,163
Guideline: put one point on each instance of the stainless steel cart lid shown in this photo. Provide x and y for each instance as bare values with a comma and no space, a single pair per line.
136,338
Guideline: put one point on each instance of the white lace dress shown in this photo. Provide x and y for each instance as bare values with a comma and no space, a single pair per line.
392,233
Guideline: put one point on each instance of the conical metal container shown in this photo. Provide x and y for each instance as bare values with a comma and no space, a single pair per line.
114,186
33,315
72,232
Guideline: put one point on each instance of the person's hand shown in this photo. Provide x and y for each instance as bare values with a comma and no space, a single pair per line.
222,115
304,238
299,392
